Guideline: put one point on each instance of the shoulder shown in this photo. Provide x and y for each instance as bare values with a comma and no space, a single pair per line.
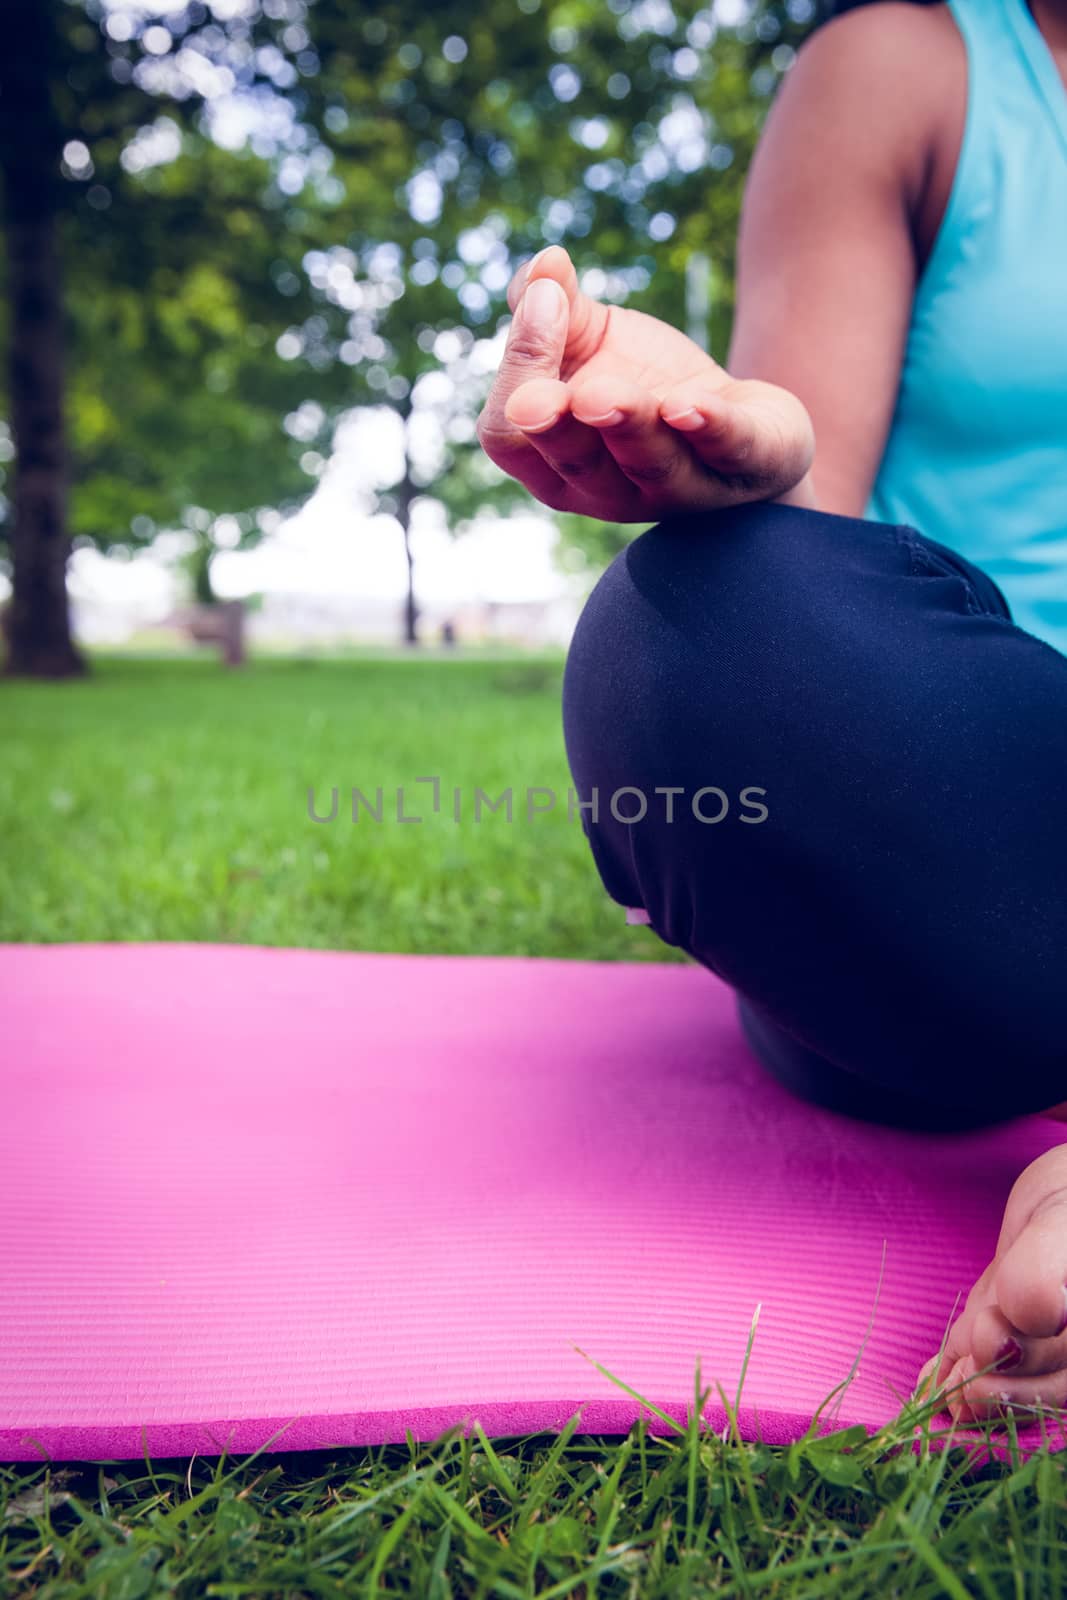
879,40
884,88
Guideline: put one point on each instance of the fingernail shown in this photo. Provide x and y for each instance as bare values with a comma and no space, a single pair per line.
543,304
687,420
540,425
1063,1324
608,420
1009,1355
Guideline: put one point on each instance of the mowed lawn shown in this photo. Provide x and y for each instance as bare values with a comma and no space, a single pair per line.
168,800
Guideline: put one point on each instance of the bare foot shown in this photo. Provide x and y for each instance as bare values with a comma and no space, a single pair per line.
1015,1319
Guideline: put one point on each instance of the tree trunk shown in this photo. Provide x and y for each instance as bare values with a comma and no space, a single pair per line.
411,610
38,623
404,494
200,569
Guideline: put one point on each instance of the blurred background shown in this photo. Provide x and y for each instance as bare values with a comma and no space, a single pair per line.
254,257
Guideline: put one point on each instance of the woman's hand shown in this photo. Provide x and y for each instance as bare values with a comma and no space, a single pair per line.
613,414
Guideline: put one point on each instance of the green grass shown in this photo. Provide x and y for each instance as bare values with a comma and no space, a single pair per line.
168,800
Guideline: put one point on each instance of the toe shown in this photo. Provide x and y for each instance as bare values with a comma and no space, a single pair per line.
925,1382
954,1387
996,1395
1031,1274
997,1343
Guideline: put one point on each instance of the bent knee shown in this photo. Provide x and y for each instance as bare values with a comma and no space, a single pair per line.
735,628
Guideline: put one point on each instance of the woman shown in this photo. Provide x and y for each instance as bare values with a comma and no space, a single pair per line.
815,614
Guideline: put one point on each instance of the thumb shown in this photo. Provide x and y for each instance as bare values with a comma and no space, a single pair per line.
537,338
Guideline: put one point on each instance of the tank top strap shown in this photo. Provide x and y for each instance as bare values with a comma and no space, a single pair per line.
976,456
1011,80
1006,53
1043,72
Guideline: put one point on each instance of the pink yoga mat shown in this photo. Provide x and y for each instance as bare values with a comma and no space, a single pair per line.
343,1196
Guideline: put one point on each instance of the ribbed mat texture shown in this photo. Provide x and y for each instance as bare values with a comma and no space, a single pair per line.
345,1195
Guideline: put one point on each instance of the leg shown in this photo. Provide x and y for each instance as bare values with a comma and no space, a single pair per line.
896,928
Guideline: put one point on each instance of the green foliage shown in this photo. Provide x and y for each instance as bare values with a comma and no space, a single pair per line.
177,396
547,123
350,236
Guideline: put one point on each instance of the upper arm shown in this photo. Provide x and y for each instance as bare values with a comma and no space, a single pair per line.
826,260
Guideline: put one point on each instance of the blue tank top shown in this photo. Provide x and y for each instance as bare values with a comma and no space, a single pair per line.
977,452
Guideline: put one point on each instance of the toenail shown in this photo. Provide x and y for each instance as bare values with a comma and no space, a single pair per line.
1009,1355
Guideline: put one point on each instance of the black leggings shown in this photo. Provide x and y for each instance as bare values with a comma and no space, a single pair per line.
867,834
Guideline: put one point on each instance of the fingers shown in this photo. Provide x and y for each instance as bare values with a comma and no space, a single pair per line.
609,442
613,442
651,455
756,438
574,449
615,449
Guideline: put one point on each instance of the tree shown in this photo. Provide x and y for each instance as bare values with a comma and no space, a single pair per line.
39,632
622,130
179,398
156,316
352,259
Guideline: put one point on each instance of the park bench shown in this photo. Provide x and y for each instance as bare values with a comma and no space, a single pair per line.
222,624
